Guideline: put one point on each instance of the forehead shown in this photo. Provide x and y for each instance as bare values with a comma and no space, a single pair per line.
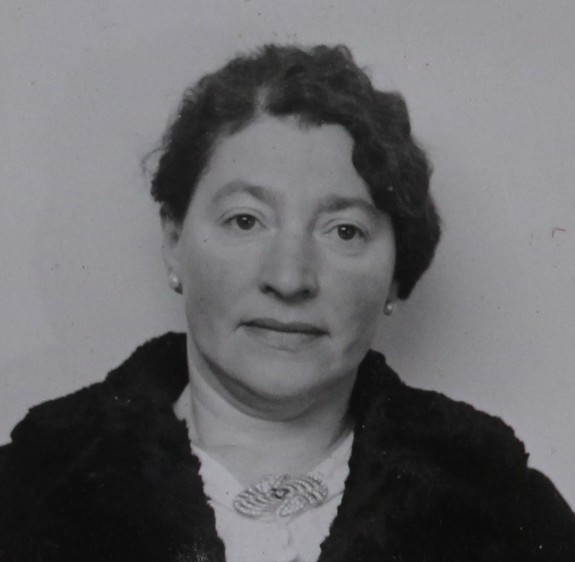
286,157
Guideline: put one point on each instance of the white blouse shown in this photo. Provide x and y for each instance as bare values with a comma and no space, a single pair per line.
278,539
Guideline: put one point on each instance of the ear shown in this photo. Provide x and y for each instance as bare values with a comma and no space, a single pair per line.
172,231
383,323
390,301
392,294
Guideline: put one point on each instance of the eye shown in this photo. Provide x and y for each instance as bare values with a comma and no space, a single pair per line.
244,222
349,232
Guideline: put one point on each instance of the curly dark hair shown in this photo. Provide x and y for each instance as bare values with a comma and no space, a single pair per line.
318,85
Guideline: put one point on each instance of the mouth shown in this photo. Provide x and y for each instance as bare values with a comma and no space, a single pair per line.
286,327
286,336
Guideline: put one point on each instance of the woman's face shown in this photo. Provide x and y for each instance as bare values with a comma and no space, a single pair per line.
285,263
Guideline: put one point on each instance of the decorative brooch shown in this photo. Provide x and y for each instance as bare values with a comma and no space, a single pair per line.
281,495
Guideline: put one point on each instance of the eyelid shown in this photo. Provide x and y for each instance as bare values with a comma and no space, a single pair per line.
363,230
228,222
239,211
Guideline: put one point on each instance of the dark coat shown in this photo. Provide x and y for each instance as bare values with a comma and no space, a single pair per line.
106,474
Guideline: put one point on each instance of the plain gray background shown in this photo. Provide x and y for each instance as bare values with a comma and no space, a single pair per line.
87,88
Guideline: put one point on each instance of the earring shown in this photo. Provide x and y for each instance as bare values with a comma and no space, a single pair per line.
174,281
389,307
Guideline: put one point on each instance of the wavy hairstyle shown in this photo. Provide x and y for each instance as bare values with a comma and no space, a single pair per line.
318,85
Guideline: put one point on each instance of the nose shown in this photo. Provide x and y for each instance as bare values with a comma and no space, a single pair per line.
289,268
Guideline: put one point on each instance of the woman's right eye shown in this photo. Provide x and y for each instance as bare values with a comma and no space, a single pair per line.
243,221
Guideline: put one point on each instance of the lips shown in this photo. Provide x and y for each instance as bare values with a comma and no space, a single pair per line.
284,336
286,327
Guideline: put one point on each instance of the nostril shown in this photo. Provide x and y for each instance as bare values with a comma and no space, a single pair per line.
290,283
288,295
288,269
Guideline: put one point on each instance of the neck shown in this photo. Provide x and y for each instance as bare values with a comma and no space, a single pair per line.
254,441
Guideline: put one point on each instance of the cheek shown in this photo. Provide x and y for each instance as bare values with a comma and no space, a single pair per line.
365,305
212,281
359,301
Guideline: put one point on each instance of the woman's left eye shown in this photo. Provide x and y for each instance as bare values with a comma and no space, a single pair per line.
348,232
245,222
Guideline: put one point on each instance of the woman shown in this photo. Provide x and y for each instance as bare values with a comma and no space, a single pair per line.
295,211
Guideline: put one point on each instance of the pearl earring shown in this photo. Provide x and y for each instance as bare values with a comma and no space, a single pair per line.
174,281
389,307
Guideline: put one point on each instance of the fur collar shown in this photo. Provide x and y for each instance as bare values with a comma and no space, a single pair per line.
107,474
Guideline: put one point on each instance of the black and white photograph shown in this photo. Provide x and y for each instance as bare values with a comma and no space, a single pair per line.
287,281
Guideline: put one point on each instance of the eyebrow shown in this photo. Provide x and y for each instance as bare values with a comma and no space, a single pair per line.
239,187
336,203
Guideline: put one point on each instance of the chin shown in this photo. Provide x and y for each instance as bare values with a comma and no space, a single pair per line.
285,380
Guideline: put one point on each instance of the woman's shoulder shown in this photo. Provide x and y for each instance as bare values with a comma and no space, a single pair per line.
93,459
451,430
451,471
151,377
434,434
